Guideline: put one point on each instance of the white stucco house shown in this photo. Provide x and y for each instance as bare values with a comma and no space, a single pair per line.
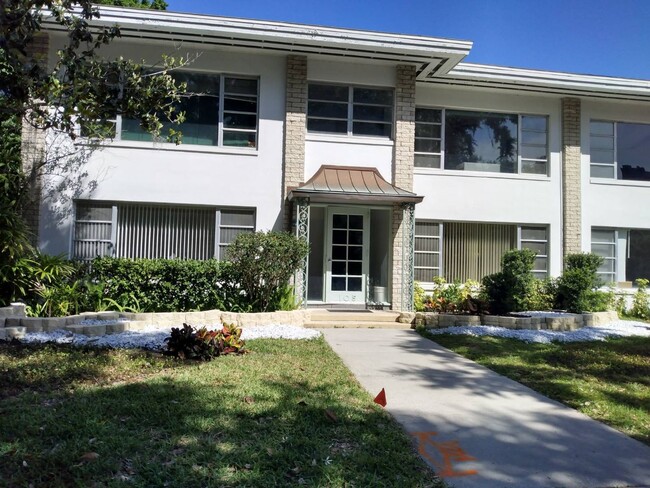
396,159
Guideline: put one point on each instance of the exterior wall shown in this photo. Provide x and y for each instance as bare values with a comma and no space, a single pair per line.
488,197
371,152
609,202
571,195
197,175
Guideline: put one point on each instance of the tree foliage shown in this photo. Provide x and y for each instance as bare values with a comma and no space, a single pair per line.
150,4
82,87
85,87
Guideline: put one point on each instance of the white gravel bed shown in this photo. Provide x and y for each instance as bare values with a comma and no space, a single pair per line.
620,328
154,338
101,321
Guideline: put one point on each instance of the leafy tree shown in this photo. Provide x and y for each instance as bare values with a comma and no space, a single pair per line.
153,4
82,88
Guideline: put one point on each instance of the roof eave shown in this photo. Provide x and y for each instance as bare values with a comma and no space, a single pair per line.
501,77
297,38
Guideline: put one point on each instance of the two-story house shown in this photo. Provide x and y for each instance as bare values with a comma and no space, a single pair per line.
393,157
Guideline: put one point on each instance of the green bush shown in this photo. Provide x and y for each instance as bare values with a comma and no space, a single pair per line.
508,290
640,303
448,297
542,294
263,264
166,285
577,288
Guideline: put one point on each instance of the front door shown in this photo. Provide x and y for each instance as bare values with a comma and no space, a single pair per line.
347,255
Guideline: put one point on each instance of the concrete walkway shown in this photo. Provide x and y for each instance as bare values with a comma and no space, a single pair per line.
479,429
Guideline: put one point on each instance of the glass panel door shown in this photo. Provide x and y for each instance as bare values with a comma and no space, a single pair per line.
347,257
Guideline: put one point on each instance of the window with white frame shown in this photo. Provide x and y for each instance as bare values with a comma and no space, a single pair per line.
619,150
625,253
350,110
465,250
603,243
536,239
427,250
131,230
481,141
220,110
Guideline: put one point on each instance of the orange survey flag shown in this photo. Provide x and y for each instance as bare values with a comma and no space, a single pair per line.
381,398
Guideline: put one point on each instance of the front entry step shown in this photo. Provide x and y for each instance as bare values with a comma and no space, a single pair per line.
376,319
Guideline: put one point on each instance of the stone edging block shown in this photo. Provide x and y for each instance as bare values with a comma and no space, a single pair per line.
432,320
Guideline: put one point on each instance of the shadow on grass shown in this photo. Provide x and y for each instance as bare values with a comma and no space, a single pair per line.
237,421
53,367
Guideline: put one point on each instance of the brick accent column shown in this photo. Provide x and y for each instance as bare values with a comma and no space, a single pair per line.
295,128
402,174
404,127
33,148
571,177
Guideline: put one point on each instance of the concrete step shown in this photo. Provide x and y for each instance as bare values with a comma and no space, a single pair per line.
333,324
369,316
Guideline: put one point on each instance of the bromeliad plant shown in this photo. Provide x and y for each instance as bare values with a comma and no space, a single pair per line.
204,344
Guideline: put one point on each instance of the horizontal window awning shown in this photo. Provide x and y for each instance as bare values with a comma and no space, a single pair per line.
351,184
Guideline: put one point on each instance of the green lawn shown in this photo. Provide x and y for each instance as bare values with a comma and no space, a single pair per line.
288,413
608,381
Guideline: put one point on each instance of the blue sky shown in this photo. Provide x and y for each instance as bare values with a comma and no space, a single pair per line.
603,37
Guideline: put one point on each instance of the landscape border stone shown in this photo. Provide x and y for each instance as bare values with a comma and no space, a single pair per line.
566,322
14,323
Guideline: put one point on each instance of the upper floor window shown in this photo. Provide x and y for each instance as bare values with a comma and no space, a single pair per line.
619,150
481,141
359,111
219,111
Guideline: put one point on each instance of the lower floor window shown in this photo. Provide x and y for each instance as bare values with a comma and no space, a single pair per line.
460,251
156,231
625,253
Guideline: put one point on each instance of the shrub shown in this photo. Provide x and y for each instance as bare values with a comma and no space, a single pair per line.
542,294
640,303
165,285
204,344
263,263
508,290
448,297
577,288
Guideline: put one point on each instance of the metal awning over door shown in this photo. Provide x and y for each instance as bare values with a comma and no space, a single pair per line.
351,184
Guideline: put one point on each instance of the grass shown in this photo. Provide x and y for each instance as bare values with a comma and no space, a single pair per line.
289,413
609,381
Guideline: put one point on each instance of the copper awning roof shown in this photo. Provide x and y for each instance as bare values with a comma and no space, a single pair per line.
351,184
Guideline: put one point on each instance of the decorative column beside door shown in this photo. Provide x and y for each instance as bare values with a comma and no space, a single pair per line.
408,236
302,231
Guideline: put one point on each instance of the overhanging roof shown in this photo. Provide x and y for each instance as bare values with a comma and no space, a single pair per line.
539,81
351,184
429,54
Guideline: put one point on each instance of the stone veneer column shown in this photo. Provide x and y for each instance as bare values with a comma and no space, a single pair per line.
402,176
32,148
571,178
295,127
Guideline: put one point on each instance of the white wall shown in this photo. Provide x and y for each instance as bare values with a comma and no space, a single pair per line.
370,152
487,197
612,203
186,174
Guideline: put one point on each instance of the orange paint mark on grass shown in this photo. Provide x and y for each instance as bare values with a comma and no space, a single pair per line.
446,455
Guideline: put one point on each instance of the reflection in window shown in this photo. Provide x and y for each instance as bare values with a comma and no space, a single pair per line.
481,141
620,150
206,121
